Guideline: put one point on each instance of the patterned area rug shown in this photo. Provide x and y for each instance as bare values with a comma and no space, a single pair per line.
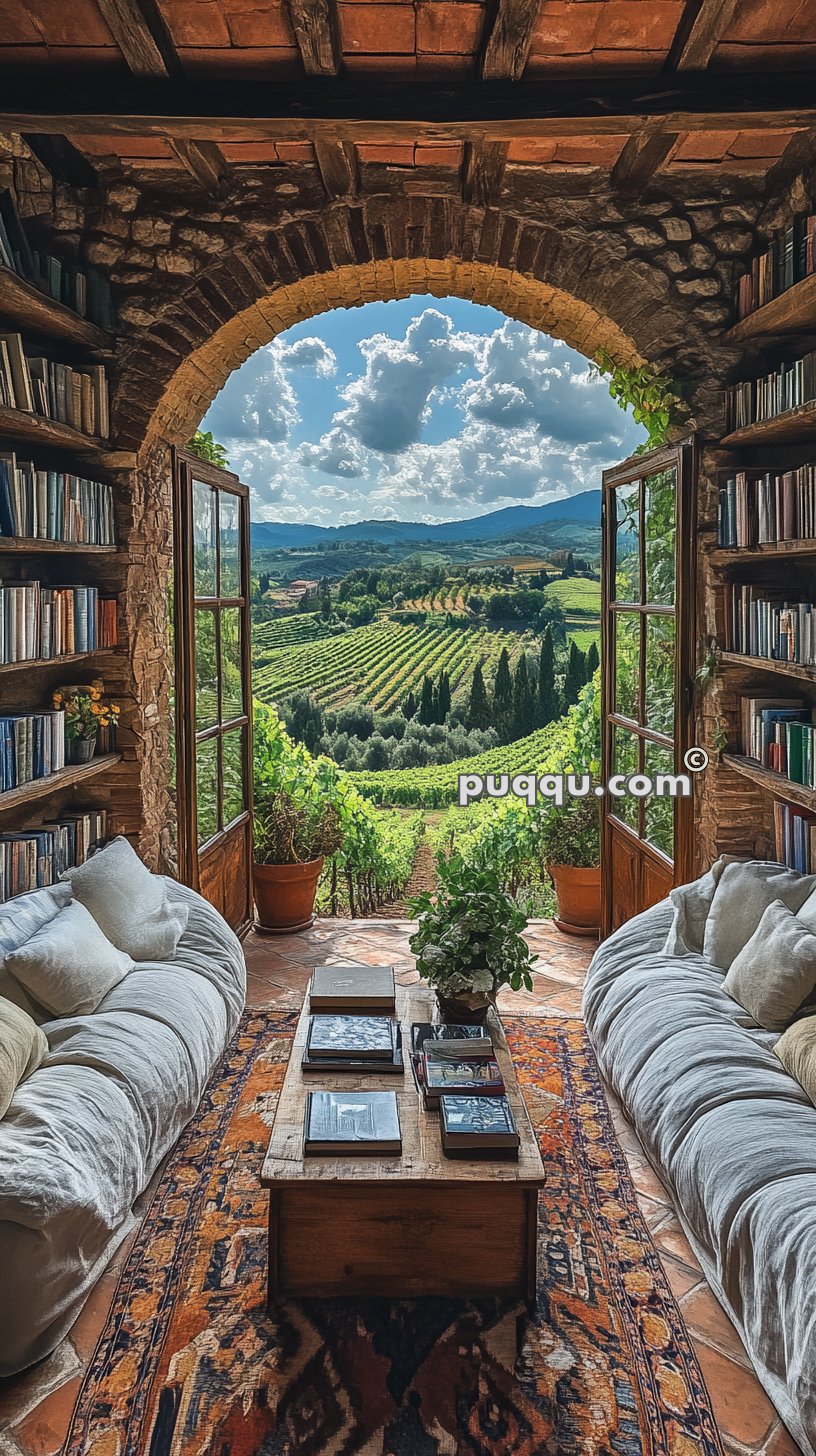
191,1364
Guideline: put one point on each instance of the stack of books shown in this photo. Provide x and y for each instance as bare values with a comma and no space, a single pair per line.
762,622
351,1123
757,509
83,290
472,1125
353,1044
351,989
780,734
761,399
75,397
795,838
52,505
32,858
790,258
456,1072
39,621
32,746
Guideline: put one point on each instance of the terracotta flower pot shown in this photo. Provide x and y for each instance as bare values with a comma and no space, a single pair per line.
285,896
578,892
469,1009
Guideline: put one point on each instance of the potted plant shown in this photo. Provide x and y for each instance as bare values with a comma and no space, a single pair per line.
86,717
468,943
292,837
572,849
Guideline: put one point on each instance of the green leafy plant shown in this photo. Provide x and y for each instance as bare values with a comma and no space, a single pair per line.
572,833
709,663
206,448
286,832
654,399
469,937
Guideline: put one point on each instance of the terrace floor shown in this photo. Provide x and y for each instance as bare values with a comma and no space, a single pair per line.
35,1408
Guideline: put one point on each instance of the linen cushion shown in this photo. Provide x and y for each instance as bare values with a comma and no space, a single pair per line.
19,919
796,1050
69,965
741,898
130,905
776,970
22,1048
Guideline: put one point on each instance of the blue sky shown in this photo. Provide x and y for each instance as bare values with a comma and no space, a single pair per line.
416,409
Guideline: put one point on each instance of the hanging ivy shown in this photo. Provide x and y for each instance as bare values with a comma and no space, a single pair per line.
654,400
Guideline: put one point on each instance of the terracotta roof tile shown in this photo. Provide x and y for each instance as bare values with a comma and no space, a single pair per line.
371,28
450,28
258,23
66,22
196,23
283,62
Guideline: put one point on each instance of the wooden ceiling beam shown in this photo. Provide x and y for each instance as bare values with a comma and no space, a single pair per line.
339,167
139,29
483,172
508,41
59,157
205,162
643,155
347,109
317,32
702,27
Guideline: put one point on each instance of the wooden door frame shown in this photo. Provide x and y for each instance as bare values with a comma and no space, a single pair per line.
186,467
684,456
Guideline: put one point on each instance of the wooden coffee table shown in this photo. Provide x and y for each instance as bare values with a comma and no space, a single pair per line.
417,1224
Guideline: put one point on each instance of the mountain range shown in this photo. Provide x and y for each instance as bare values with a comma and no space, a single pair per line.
583,509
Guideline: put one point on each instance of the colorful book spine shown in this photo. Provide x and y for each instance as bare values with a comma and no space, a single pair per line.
55,391
790,257
51,505
32,746
760,509
44,622
34,857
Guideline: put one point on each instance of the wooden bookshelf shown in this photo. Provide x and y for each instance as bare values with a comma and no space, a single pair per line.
790,427
36,546
66,778
28,309
35,663
775,783
32,429
791,312
769,551
799,670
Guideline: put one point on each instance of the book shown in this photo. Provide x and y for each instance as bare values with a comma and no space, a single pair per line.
473,1076
351,1122
365,1066
352,988
476,1037
34,857
367,1038
472,1125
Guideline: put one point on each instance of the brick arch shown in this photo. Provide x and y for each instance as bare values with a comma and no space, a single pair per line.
171,370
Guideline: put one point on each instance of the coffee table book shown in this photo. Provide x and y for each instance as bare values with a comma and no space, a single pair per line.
334,1045
440,1031
351,1122
405,1224
477,1076
473,1125
352,988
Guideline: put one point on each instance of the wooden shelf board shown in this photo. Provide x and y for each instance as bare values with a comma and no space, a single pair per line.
34,545
28,308
794,424
791,312
38,662
771,551
53,783
798,670
774,783
35,430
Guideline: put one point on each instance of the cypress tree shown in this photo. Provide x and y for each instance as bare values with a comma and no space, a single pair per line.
523,722
575,675
478,713
503,697
443,697
427,706
549,701
593,661
409,707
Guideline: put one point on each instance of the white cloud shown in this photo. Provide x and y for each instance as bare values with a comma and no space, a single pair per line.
337,452
311,353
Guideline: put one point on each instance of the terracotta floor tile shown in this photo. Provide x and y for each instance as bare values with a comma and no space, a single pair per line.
647,1181
781,1443
20,1394
681,1279
740,1405
43,1431
670,1237
708,1321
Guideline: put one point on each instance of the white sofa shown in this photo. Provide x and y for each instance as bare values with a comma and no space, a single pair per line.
85,1133
731,1134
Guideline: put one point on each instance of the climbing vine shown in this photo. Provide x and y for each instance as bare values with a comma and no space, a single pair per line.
655,400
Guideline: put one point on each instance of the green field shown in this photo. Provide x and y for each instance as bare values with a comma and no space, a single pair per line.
378,663
437,784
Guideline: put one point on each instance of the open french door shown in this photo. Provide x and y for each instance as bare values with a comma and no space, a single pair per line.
646,673
213,685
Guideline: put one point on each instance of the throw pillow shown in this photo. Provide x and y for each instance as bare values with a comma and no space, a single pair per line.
129,904
775,970
796,1050
807,913
692,904
69,965
740,900
22,1047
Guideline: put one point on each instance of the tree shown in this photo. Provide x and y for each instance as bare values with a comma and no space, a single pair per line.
263,583
409,707
478,713
443,697
427,706
549,702
523,703
593,661
575,675
569,566
206,448
503,696
304,719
